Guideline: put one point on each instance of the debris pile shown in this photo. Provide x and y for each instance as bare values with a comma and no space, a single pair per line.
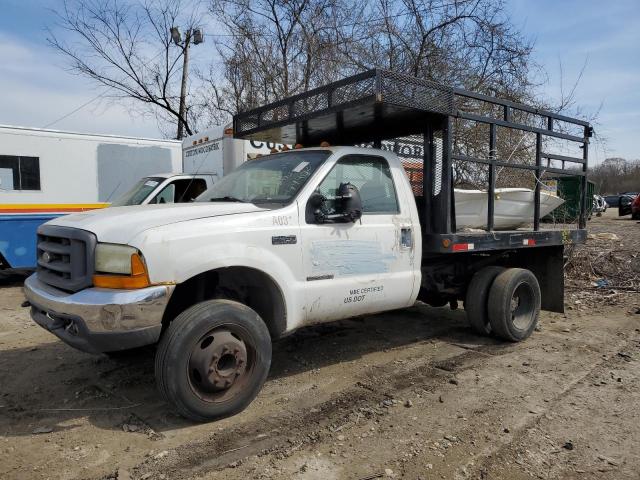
605,269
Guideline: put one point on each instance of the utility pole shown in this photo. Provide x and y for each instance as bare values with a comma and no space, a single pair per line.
183,87
198,37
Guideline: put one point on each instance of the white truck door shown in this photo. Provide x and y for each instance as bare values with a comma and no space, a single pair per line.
361,267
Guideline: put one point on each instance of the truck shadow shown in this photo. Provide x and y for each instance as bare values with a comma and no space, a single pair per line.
55,386
11,280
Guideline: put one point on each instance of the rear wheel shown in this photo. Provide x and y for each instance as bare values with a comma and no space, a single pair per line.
514,304
213,359
475,303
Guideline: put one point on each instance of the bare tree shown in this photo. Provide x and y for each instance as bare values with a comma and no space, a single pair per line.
616,175
274,48
465,43
127,48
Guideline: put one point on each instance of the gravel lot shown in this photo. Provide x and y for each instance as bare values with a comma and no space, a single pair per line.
407,394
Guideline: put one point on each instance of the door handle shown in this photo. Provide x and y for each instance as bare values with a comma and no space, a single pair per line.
406,237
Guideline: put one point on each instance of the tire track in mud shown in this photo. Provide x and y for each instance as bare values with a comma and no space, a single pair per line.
487,463
595,370
282,434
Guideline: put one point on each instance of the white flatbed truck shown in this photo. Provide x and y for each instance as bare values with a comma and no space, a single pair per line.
301,237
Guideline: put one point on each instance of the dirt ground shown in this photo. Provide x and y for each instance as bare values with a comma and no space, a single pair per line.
407,394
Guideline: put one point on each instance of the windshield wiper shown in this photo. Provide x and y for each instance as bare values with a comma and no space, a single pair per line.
227,199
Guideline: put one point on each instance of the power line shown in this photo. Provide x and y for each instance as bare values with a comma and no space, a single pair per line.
77,109
103,94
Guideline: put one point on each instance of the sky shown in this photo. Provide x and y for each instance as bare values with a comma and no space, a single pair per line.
36,88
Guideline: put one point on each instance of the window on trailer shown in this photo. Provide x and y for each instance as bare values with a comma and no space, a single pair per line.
19,173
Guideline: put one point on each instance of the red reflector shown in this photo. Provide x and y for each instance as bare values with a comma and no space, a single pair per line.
462,247
528,242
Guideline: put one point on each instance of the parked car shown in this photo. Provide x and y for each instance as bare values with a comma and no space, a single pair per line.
613,201
629,204
599,204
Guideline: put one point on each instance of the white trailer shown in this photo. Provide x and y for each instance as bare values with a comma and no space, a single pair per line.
217,152
48,173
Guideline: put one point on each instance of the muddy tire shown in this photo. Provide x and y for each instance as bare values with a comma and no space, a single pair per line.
514,304
213,360
475,302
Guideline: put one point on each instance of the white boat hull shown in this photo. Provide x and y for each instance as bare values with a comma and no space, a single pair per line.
513,207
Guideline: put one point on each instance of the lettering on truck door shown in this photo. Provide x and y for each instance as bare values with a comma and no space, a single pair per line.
361,267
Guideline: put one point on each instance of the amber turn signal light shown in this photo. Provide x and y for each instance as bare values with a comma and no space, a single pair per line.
139,277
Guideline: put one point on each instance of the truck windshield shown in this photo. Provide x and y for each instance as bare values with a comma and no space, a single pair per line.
273,179
137,193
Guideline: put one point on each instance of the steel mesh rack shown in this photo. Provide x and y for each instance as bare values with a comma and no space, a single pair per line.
378,104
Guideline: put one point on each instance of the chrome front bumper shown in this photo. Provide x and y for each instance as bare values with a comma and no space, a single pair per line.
99,319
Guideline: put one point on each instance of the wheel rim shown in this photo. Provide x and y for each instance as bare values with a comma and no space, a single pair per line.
221,364
522,307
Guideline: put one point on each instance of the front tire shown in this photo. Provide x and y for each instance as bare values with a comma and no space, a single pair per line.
514,304
213,360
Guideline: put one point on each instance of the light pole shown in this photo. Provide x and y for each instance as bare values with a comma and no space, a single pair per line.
197,37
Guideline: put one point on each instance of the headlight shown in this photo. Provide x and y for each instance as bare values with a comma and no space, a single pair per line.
112,258
119,266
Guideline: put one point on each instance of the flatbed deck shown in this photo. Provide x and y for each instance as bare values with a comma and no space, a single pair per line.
500,240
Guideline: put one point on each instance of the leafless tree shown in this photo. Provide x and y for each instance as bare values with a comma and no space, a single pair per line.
270,49
276,48
616,175
127,48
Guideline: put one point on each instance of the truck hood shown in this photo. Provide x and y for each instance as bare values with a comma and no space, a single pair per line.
121,224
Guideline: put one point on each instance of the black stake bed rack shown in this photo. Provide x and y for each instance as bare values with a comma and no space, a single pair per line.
378,105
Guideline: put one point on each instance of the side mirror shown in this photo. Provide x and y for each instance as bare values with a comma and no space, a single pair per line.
348,203
315,211
347,208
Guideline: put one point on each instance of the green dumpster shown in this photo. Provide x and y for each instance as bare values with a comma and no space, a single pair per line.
568,188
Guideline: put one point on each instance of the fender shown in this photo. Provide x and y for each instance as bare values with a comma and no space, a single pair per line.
177,252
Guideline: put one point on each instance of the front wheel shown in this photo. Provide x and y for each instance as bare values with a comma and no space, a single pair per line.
514,304
213,359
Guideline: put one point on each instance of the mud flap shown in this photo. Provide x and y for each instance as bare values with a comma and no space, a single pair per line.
547,264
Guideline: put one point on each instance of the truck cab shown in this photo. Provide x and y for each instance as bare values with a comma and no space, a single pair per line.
276,236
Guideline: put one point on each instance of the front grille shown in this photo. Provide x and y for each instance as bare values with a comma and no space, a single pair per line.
65,257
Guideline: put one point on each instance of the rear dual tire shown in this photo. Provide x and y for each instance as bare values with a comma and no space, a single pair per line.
477,298
503,302
514,304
